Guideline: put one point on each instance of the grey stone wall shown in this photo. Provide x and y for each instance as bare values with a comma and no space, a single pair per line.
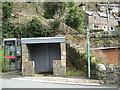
24,53
59,66
109,74
28,68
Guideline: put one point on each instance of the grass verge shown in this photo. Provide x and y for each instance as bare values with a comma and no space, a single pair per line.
74,72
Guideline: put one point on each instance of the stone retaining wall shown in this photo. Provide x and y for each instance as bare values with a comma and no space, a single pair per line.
109,74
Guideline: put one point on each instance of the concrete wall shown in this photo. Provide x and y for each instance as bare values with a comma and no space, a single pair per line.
109,56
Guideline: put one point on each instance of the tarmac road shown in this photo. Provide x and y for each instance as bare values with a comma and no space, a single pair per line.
11,83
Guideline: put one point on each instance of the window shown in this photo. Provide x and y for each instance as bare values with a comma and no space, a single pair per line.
112,28
96,26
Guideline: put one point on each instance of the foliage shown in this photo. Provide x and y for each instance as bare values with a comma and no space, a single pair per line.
94,62
74,18
70,4
7,10
33,28
117,30
76,59
52,8
36,29
55,25
8,30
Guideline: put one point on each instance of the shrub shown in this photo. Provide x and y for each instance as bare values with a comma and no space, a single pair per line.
7,10
74,18
76,59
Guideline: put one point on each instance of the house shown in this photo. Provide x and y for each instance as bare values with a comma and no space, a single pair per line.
97,20
114,8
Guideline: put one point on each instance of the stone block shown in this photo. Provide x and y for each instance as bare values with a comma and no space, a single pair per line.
58,68
28,68
100,67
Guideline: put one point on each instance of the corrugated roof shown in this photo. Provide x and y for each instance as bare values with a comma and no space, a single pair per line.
105,48
43,40
113,5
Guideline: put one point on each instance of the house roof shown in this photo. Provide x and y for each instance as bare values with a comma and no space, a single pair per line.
89,12
113,5
116,17
43,40
104,48
102,14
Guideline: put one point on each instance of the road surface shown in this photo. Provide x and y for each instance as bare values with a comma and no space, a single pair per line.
10,83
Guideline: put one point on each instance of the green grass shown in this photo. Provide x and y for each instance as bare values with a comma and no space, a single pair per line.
74,72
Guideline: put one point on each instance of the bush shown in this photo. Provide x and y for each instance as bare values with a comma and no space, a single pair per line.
52,8
74,18
7,10
76,59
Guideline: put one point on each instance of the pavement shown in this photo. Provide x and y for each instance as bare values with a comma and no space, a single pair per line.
81,80
63,80
76,80
50,79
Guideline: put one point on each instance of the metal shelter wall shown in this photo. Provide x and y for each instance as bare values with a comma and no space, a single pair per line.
43,56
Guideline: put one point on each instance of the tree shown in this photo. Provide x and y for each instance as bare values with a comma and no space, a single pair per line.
7,10
35,28
70,4
52,8
74,18
8,30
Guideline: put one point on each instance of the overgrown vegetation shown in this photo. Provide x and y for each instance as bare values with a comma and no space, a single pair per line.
33,28
7,10
76,60
36,29
54,8
74,18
